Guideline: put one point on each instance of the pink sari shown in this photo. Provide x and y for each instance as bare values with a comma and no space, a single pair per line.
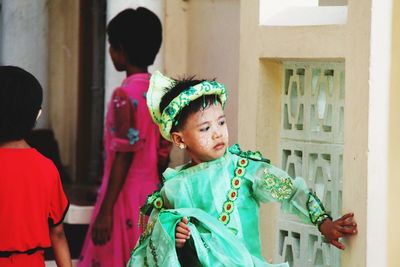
128,127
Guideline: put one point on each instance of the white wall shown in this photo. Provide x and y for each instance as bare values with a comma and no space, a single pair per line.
24,41
301,13
112,77
378,129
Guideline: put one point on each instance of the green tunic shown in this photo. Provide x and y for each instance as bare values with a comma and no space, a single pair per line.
221,199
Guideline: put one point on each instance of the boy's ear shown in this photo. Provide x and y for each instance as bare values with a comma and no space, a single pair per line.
177,138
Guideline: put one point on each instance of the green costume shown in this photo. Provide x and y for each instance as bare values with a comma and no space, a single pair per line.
221,200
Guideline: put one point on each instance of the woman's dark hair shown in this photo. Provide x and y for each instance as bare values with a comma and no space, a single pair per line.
200,103
20,101
138,32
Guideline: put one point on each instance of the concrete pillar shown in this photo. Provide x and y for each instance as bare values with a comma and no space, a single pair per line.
24,41
63,71
378,132
392,230
112,77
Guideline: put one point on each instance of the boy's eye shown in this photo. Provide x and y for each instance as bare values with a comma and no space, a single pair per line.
205,129
222,122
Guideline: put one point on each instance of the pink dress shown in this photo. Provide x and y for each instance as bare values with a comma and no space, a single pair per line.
128,127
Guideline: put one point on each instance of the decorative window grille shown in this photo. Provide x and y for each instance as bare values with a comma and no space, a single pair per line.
312,147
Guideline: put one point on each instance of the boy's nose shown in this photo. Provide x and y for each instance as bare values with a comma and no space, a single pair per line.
216,135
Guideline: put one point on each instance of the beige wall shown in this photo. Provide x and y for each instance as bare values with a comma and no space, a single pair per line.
213,48
176,49
202,39
333,2
63,42
261,50
394,144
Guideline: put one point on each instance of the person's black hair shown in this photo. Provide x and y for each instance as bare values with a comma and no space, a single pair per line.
138,32
200,103
20,101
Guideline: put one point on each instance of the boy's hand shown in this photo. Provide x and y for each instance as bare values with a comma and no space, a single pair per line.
333,230
182,233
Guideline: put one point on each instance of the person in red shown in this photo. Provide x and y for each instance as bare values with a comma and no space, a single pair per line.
32,200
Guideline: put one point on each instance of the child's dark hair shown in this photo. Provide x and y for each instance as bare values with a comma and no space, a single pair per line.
20,101
200,103
138,32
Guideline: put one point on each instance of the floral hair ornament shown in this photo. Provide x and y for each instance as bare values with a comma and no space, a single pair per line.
158,87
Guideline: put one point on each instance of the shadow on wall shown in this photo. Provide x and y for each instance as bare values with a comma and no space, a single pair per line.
43,140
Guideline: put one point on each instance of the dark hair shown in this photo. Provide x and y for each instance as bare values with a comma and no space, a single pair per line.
20,101
138,32
200,103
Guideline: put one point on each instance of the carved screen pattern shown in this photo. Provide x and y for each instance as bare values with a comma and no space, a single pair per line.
312,102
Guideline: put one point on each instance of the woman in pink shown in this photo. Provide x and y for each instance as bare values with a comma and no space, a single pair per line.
134,149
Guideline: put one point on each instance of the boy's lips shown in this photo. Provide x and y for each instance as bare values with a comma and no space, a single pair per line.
219,146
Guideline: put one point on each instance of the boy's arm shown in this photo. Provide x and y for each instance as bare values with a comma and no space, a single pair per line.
276,185
333,230
273,184
60,246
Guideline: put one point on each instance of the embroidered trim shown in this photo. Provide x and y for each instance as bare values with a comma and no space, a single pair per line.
281,188
233,192
316,210
158,203
169,114
235,149
153,201
236,182
147,232
153,252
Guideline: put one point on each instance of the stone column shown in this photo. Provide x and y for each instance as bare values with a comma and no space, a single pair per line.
112,77
24,42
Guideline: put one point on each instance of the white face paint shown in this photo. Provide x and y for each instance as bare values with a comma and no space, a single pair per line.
205,133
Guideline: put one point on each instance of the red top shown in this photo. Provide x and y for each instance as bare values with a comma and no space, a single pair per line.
31,199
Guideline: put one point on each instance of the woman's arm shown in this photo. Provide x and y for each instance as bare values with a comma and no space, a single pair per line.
60,246
103,224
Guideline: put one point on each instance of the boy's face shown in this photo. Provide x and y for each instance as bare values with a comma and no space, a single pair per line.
205,134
